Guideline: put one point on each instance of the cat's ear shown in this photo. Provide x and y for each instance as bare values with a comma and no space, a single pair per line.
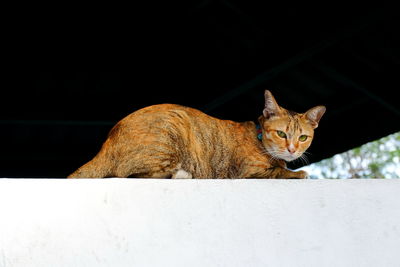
314,115
271,108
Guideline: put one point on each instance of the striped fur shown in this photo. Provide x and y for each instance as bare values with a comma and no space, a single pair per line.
173,141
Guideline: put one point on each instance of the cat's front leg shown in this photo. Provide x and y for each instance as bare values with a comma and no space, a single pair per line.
283,173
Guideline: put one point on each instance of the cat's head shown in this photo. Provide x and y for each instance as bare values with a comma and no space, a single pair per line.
287,134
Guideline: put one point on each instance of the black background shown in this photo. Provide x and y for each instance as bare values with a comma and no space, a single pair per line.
72,71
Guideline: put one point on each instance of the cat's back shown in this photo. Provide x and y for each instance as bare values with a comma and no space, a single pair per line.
166,109
172,121
165,113
161,120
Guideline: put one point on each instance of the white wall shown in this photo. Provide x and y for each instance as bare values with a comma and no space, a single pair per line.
143,222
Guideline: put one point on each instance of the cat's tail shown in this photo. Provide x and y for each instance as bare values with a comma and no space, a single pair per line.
98,167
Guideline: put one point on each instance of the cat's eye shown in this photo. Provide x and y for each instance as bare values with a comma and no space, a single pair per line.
303,138
281,134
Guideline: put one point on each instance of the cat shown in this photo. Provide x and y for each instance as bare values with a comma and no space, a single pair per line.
173,141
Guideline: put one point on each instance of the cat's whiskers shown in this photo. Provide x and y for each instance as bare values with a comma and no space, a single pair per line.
304,160
274,154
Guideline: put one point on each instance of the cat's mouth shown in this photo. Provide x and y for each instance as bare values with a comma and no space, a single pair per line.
285,155
289,157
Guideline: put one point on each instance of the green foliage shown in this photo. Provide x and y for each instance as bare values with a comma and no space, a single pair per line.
378,159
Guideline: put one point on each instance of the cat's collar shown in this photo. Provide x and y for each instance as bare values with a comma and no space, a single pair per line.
259,132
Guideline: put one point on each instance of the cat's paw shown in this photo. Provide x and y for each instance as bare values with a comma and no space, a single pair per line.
182,174
300,175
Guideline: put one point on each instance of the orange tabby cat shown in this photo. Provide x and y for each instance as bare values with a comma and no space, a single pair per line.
172,141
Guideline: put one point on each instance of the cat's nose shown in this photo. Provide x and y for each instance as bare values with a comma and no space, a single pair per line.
291,148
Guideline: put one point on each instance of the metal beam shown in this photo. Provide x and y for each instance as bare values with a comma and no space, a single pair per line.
297,59
340,78
265,76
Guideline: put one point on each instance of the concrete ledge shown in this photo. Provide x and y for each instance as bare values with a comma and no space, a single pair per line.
145,222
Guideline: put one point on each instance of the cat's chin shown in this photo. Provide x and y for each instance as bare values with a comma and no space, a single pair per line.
285,156
289,157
